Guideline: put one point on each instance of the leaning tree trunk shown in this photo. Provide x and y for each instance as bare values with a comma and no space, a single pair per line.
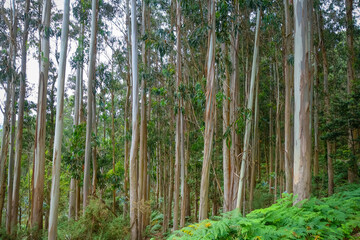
302,137
55,185
89,120
209,115
39,161
255,143
19,138
135,129
249,108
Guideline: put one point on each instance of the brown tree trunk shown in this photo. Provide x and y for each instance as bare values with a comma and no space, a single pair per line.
288,71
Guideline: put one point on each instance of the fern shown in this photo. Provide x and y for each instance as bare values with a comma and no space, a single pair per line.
335,217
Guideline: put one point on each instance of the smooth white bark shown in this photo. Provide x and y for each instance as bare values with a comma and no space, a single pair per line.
89,119
302,137
209,117
135,120
39,161
59,125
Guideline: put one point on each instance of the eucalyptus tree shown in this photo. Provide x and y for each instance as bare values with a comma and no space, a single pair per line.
135,120
20,123
78,108
179,137
89,121
39,160
353,168
329,144
302,137
55,191
288,92
143,123
13,53
126,113
209,114
249,107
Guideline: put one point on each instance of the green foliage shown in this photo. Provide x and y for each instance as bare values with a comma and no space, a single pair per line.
74,157
98,223
336,217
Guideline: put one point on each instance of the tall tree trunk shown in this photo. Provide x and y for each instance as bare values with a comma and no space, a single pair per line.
55,186
180,117
327,105
179,136
89,120
126,113
302,137
19,136
249,108
4,146
135,128
316,115
95,121
234,104
255,144
113,144
288,71
209,115
227,167
39,161
353,167
278,158
143,128
73,213
13,118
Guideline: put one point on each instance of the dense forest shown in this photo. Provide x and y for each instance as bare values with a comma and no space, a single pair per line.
204,119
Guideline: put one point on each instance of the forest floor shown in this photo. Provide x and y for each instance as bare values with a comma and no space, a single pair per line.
335,217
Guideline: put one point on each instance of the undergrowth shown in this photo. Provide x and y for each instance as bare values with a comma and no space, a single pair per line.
98,223
335,217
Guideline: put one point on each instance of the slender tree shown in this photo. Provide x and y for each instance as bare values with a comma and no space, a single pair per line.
209,114
10,181
39,161
249,108
302,137
288,92
89,121
55,185
20,124
135,128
